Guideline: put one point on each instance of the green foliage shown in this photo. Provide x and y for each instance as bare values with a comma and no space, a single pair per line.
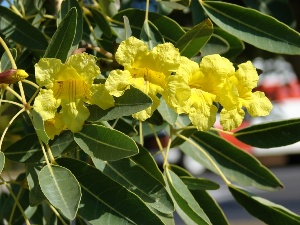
103,173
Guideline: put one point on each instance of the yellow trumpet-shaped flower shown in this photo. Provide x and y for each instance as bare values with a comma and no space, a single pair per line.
65,90
195,88
143,69
257,104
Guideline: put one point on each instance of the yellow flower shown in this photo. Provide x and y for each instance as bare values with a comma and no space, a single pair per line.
143,69
195,88
67,87
257,104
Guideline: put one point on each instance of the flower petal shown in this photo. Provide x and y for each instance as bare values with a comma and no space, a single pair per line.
45,104
101,97
260,105
74,114
147,113
130,51
118,82
231,119
85,65
54,126
46,70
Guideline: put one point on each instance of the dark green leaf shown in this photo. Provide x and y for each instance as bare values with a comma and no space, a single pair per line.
142,177
269,135
192,41
181,172
105,201
166,112
20,31
62,40
193,183
179,4
236,164
178,141
215,45
266,211
28,149
185,204
210,207
151,35
124,126
105,143
101,22
253,27
66,6
61,189
132,101
280,9
5,63
36,195
170,29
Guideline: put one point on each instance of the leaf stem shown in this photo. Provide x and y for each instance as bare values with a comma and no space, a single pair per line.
8,125
147,10
208,157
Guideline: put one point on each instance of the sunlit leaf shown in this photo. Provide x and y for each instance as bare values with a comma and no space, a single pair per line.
105,143
2,161
62,40
266,211
132,101
185,204
236,164
105,201
151,35
192,41
269,135
61,189
245,23
142,177
38,124
166,112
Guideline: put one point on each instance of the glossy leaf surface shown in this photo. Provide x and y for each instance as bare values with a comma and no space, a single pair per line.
105,143
245,23
269,135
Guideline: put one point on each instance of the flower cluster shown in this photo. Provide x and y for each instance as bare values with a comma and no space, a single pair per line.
188,87
67,87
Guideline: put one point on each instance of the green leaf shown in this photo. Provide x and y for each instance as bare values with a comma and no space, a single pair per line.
185,204
127,28
132,101
210,207
166,112
236,164
151,35
192,41
181,172
66,6
36,196
20,31
28,149
38,124
246,24
141,178
170,29
266,211
193,183
61,189
105,143
102,22
280,9
5,63
2,161
178,141
178,4
62,40
105,201
269,135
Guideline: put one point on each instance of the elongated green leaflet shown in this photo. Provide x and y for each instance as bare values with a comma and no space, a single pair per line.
269,135
246,24
105,201
266,211
105,143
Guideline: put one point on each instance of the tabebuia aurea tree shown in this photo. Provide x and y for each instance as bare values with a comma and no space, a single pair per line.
81,88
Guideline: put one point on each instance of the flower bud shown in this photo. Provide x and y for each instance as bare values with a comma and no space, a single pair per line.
12,76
